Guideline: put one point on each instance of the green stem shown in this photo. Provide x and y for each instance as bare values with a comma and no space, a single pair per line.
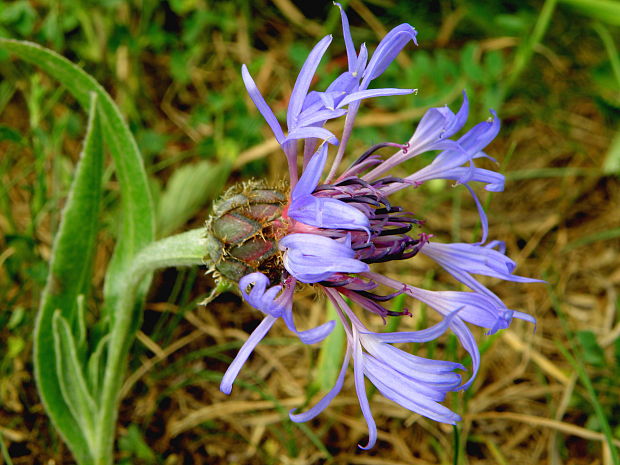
186,249
457,441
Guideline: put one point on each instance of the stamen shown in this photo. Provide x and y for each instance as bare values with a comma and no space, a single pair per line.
373,149
380,298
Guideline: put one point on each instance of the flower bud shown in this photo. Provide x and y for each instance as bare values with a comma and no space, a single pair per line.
242,232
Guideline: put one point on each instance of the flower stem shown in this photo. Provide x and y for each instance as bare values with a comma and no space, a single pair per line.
186,249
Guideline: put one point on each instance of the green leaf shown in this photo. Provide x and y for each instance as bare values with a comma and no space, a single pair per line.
96,364
592,352
69,276
9,134
188,190
71,377
137,228
607,11
134,443
330,356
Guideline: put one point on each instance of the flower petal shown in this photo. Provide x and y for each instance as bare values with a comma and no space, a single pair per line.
348,41
387,50
321,116
324,212
412,366
369,93
326,400
309,336
461,259
396,387
312,258
305,132
302,84
480,135
262,106
360,388
273,301
423,335
473,307
312,174
244,353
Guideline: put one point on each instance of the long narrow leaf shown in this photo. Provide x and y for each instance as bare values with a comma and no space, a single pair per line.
69,276
607,11
96,366
330,355
71,377
136,204
188,190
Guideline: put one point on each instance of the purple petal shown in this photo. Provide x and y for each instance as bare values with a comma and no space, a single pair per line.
412,366
480,135
242,356
311,258
310,336
316,101
260,298
362,59
262,106
441,166
311,131
362,94
327,99
348,41
360,388
468,342
423,335
312,174
396,380
494,181
436,126
474,308
326,400
400,390
461,259
346,83
484,222
324,212
321,116
459,120
525,317
387,50
302,84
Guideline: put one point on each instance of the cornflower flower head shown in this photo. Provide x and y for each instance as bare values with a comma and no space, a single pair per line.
327,229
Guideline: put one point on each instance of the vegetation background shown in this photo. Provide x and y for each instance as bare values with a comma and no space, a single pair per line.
551,70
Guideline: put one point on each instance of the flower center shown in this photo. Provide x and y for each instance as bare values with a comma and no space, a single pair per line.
390,226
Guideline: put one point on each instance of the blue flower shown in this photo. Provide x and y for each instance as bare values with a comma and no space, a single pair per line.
335,226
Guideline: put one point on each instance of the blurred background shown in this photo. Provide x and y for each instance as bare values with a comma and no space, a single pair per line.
550,69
